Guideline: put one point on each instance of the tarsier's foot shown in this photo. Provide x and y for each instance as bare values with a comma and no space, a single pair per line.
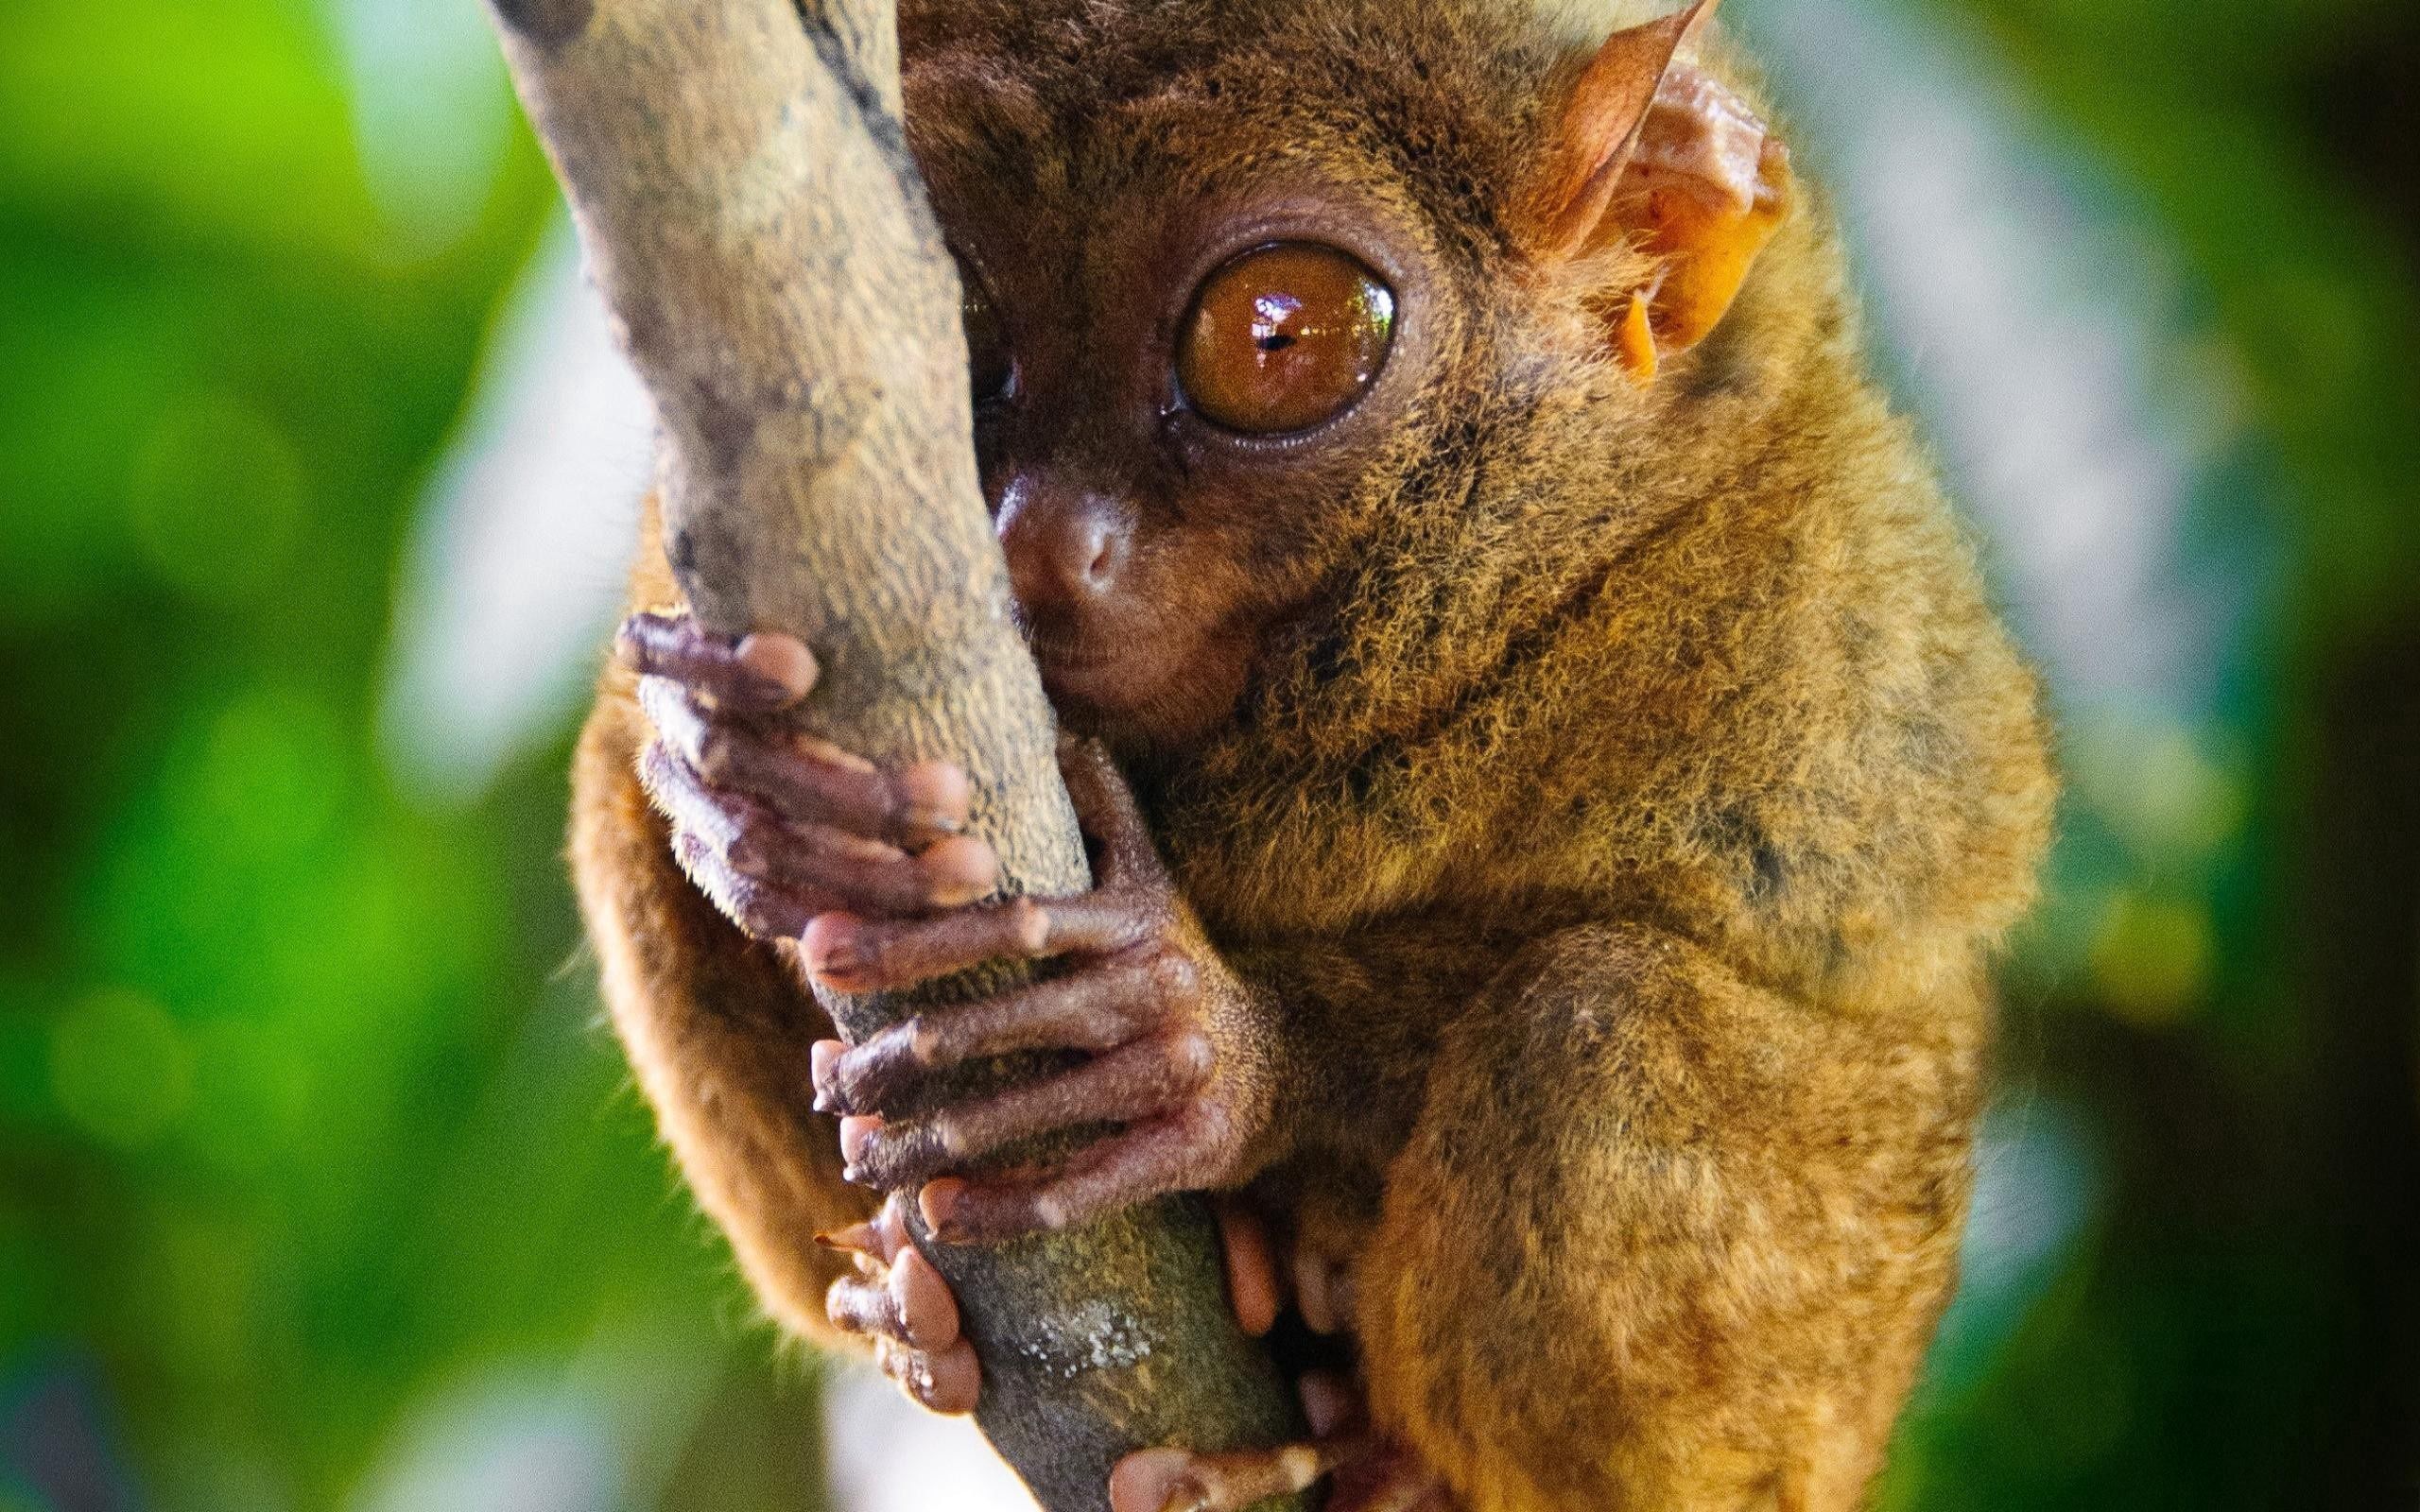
1365,1472
1178,1048
900,1301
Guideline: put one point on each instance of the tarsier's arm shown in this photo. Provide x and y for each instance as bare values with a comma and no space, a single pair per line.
720,1026
716,1028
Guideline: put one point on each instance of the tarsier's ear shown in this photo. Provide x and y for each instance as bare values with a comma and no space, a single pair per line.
1647,146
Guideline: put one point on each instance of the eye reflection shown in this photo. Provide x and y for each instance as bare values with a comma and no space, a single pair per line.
1283,337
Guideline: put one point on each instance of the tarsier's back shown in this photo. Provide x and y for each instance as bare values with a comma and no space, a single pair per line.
1434,453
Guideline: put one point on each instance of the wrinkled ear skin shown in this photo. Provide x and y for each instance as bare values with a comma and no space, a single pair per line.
1648,149
1597,126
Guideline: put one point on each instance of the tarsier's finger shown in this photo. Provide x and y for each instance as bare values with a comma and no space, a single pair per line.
944,1381
801,777
927,1308
1133,1081
823,869
1252,1267
683,797
1331,1404
760,672
854,1304
763,910
914,1305
722,843
1106,808
863,956
1092,1010
865,875
1176,1480
1156,1156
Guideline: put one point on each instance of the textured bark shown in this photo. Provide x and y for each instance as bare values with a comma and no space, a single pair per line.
751,211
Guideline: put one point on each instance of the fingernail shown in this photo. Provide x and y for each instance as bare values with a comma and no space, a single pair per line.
782,664
822,1056
836,953
920,818
857,1132
857,1239
938,1203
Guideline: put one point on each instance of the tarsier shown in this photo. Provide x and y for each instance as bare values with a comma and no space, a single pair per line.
1554,776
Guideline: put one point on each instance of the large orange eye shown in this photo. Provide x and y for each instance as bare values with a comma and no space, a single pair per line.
1283,337
991,367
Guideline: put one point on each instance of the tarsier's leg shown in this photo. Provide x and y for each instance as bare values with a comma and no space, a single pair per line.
1664,1241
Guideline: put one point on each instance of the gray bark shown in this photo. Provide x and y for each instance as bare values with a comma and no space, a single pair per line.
750,210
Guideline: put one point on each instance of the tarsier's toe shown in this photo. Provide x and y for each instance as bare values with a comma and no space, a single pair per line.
1366,1473
1176,1480
898,1299
927,1309
944,1381
1252,1288
754,672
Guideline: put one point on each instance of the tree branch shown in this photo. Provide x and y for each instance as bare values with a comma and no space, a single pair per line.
749,207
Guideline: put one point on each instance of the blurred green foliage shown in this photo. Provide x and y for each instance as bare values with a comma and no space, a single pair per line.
308,1137
304,1121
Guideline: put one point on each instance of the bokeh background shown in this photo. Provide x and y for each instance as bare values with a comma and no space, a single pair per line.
321,1186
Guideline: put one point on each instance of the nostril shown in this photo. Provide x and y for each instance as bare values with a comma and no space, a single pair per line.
1065,544
1097,551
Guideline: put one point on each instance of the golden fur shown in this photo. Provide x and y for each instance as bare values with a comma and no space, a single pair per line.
1625,833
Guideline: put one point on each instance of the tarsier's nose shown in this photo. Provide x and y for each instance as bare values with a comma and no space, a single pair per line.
1067,546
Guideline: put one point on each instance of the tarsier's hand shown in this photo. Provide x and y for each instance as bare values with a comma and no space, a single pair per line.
793,837
774,826
1178,1049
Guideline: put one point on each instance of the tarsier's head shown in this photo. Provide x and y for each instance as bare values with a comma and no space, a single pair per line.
1267,299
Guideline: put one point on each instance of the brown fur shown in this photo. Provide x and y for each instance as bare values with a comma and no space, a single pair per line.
1622,804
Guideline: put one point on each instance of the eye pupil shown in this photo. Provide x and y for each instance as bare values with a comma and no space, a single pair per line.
1283,337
